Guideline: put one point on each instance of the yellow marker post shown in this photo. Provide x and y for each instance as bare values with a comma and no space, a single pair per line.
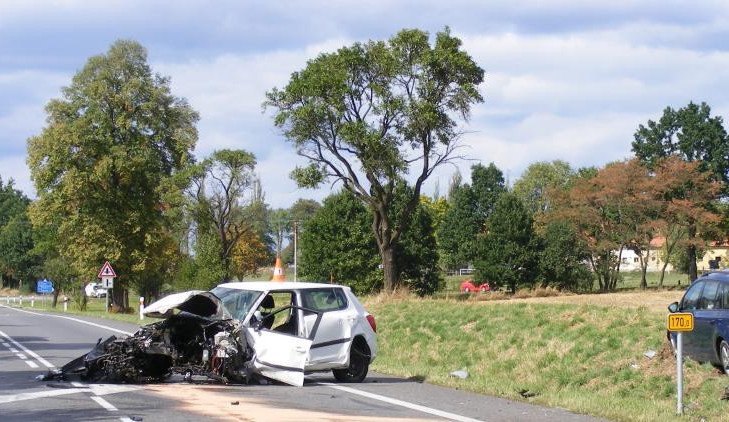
680,322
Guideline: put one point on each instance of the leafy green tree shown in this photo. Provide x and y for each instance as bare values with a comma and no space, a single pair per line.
371,113
219,194
18,262
112,138
694,135
466,217
563,258
538,180
337,245
508,251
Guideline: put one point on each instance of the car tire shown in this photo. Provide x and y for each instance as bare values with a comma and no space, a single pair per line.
359,364
724,356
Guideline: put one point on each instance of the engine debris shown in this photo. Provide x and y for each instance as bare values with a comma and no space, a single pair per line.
186,343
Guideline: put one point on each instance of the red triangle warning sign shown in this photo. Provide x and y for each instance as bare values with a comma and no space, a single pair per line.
107,271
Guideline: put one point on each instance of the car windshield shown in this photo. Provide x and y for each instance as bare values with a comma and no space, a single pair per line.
236,301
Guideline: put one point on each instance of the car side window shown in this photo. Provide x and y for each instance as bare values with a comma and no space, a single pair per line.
708,295
691,298
722,298
324,300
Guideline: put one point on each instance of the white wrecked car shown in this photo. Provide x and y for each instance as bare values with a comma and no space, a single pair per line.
280,330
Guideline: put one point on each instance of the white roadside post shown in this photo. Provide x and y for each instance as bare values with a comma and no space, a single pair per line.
21,300
32,301
65,304
141,307
678,323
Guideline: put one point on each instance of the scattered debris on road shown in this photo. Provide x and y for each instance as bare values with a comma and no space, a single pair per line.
650,353
462,374
200,340
526,393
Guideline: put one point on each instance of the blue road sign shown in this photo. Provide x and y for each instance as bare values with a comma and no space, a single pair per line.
44,286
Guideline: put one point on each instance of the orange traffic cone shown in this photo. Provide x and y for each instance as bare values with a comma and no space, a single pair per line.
278,274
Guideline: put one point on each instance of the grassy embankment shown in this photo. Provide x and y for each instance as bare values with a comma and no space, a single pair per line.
585,358
629,280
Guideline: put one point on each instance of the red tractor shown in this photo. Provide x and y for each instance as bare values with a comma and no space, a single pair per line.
468,287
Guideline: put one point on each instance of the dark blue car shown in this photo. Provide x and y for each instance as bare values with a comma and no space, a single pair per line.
708,300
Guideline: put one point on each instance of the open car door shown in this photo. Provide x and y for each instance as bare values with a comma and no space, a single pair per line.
281,356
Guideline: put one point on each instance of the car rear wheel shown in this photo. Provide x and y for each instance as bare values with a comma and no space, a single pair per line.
724,356
359,364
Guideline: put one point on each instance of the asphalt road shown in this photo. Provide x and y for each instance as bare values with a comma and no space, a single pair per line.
33,342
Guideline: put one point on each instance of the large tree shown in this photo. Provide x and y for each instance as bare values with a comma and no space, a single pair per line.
371,113
219,189
18,262
111,139
470,207
538,180
695,136
507,252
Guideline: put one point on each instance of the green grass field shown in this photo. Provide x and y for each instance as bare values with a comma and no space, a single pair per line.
95,308
571,356
629,280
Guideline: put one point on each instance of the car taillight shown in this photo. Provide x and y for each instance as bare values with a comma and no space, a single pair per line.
372,322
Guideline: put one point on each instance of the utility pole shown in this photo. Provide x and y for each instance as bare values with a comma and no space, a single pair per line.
296,252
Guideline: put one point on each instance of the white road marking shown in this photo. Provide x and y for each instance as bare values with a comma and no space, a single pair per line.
6,345
77,384
13,349
396,402
28,351
21,356
126,419
31,363
70,319
11,398
97,390
103,403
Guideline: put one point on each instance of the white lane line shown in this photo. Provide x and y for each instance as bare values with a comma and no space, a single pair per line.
396,402
6,345
11,398
103,403
31,363
13,349
21,356
125,419
28,351
70,319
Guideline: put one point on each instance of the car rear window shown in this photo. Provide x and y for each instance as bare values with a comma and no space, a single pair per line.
324,300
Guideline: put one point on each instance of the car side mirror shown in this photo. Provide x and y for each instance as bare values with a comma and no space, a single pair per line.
256,320
673,307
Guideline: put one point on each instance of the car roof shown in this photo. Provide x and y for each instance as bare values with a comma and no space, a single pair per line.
264,286
721,275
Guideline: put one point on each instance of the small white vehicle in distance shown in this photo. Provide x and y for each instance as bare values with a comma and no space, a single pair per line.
294,328
95,290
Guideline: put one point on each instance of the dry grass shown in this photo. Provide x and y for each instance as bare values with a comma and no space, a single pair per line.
655,301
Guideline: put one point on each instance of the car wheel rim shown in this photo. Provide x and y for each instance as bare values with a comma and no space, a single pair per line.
725,355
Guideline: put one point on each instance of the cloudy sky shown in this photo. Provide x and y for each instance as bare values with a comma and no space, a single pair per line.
567,79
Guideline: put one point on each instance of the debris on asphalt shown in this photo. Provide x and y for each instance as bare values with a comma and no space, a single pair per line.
650,353
235,403
196,341
462,374
635,366
526,393
136,418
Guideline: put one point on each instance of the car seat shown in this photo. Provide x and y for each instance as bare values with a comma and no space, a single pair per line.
268,304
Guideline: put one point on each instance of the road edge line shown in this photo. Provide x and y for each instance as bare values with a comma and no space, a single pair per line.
28,351
401,403
93,324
